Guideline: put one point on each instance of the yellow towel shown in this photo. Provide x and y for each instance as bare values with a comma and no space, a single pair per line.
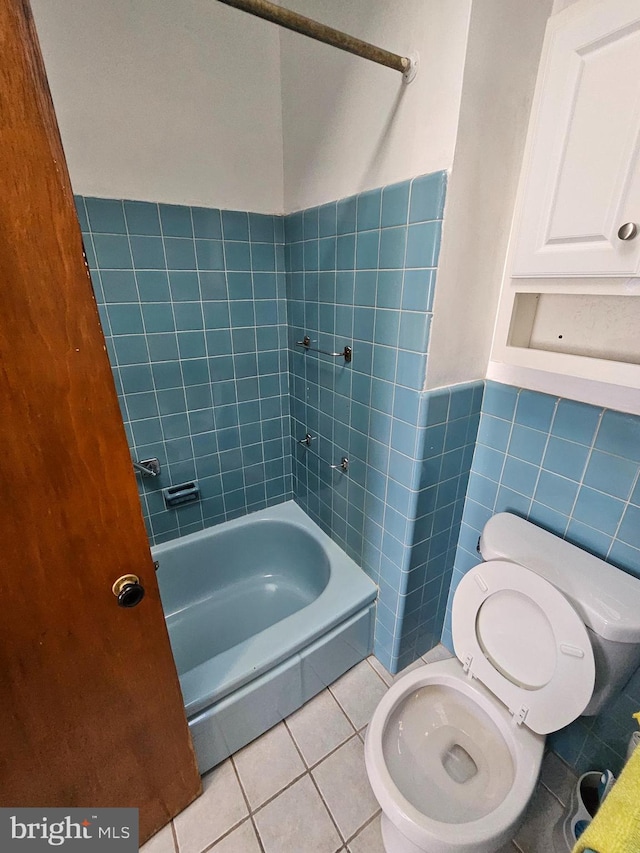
616,826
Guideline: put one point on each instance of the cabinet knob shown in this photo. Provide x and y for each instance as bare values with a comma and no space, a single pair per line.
628,231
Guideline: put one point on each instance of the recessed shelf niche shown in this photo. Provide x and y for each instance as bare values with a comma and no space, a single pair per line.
591,325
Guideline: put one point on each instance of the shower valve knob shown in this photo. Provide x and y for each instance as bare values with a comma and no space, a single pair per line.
128,590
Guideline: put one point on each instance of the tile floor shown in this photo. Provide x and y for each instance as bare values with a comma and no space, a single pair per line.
302,787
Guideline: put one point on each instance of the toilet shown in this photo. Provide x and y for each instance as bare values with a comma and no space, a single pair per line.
542,632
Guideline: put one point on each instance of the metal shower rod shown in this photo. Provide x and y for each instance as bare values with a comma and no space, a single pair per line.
406,65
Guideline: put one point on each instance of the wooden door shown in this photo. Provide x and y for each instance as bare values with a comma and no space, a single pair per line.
583,166
90,707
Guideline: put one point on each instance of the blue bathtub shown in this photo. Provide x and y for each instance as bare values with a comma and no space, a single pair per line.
263,612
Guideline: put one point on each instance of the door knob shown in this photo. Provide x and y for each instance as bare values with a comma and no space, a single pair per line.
128,590
628,231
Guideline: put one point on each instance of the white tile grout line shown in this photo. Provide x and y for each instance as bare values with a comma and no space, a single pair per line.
584,470
226,834
306,772
309,772
174,835
511,421
233,353
328,810
553,793
206,349
544,453
248,805
190,436
591,448
627,503
349,838
308,766
140,486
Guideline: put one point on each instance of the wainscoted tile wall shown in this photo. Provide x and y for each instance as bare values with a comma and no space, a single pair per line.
361,272
574,470
193,308
194,304
449,425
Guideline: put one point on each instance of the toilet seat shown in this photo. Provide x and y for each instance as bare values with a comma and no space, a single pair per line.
518,635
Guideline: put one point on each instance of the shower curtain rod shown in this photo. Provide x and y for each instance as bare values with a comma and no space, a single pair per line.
406,65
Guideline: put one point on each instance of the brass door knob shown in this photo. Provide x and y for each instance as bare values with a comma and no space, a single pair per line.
128,590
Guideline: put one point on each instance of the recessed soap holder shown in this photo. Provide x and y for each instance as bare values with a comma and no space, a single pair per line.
184,493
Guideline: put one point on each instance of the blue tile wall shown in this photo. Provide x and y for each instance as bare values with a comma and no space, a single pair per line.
361,272
449,425
193,308
573,469
201,324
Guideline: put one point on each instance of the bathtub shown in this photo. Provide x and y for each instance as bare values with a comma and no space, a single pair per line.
263,612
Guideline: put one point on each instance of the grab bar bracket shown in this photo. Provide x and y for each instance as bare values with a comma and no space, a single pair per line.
343,466
306,442
346,353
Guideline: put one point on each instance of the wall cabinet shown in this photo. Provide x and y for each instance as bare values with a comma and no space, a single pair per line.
569,315
582,181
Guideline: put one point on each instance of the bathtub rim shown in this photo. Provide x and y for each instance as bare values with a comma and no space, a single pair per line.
348,590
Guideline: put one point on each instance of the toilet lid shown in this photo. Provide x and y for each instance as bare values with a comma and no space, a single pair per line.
518,634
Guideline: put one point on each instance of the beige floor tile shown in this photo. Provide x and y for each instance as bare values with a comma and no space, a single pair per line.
558,777
438,652
219,808
358,692
415,665
342,780
297,821
268,765
319,726
384,673
535,834
161,842
368,840
241,840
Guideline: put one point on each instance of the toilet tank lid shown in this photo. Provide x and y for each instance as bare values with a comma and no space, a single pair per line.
607,599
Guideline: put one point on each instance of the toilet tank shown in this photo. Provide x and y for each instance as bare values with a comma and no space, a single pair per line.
607,599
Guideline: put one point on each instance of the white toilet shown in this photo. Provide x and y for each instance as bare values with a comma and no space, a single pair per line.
543,632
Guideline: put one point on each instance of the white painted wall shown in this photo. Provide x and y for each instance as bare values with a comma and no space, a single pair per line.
166,101
185,101
350,125
559,5
505,42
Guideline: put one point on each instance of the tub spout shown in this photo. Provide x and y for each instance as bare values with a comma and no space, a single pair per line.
147,467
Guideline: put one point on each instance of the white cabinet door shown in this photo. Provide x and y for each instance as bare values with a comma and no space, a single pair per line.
582,168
